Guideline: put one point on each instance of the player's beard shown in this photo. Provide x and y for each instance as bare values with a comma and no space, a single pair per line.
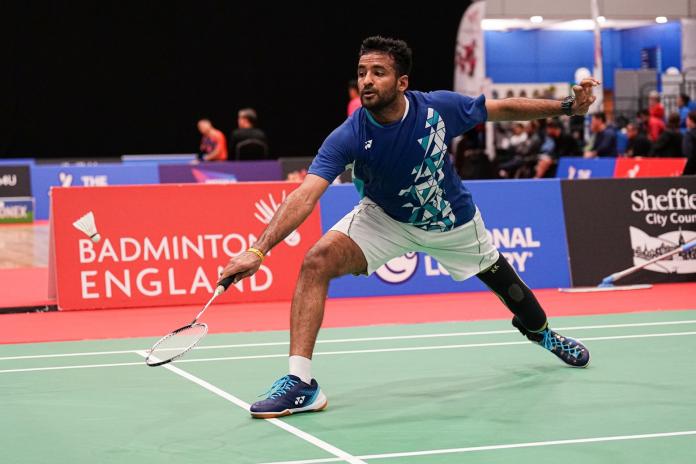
380,100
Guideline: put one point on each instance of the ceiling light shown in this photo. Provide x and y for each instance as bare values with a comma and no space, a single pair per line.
661,20
538,19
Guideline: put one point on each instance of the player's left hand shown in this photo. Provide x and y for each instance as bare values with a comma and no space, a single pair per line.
583,95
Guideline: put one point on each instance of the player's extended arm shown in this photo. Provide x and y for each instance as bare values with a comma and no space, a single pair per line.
524,109
292,212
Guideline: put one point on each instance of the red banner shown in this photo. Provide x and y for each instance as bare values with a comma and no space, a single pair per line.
165,244
649,167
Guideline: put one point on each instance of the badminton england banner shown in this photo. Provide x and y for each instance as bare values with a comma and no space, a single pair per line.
165,244
614,224
532,238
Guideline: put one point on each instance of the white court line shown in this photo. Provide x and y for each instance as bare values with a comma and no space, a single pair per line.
377,350
498,447
329,448
365,339
426,348
57,368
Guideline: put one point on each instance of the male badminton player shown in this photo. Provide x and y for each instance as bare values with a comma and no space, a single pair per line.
412,200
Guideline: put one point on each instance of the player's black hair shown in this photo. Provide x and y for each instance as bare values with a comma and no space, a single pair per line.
685,98
353,84
397,49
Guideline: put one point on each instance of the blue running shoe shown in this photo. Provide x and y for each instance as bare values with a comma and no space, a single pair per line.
569,350
289,395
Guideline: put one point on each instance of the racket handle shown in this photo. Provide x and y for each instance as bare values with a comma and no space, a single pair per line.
224,284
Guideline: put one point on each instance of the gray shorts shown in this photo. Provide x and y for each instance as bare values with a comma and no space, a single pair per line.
463,251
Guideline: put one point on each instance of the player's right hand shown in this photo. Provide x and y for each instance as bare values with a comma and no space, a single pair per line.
241,266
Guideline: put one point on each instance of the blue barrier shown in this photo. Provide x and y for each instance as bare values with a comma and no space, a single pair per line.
524,219
45,177
16,161
585,168
172,158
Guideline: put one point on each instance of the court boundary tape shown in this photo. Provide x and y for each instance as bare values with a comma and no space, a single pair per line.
323,353
327,447
498,447
361,339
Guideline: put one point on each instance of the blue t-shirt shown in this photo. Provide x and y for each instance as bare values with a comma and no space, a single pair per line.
404,166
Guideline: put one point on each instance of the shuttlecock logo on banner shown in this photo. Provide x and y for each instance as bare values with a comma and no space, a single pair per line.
646,248
267,210
87,225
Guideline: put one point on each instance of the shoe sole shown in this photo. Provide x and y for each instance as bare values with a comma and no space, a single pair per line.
287,412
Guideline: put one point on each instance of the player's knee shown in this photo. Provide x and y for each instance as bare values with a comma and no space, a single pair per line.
318,261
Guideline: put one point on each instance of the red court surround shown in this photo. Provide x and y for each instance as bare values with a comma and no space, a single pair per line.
340,312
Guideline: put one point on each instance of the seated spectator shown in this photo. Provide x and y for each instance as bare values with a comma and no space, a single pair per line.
669,143
525,143
689,145
638,143
558,143
213,144
652,125
604,138
354,96
248,141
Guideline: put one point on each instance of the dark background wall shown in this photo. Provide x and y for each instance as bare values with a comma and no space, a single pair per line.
108,78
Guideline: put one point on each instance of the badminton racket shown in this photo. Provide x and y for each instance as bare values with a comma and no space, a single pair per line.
180,341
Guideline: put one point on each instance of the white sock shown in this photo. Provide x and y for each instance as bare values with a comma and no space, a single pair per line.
301,367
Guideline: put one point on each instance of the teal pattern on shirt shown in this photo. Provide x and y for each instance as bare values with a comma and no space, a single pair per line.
404,166
430,210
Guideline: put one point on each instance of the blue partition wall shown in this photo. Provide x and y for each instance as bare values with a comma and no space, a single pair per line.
45,177
553,56
524,219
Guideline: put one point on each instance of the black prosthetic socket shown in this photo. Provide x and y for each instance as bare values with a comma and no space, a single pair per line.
502,279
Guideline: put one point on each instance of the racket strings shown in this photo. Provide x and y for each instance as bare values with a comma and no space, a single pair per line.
177,343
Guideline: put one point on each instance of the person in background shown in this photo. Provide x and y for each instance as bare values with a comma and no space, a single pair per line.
654,106
685,106
558,143
213,143
669,143
248,132
689,145
651,125
638,143
527,147
354,95
604,138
